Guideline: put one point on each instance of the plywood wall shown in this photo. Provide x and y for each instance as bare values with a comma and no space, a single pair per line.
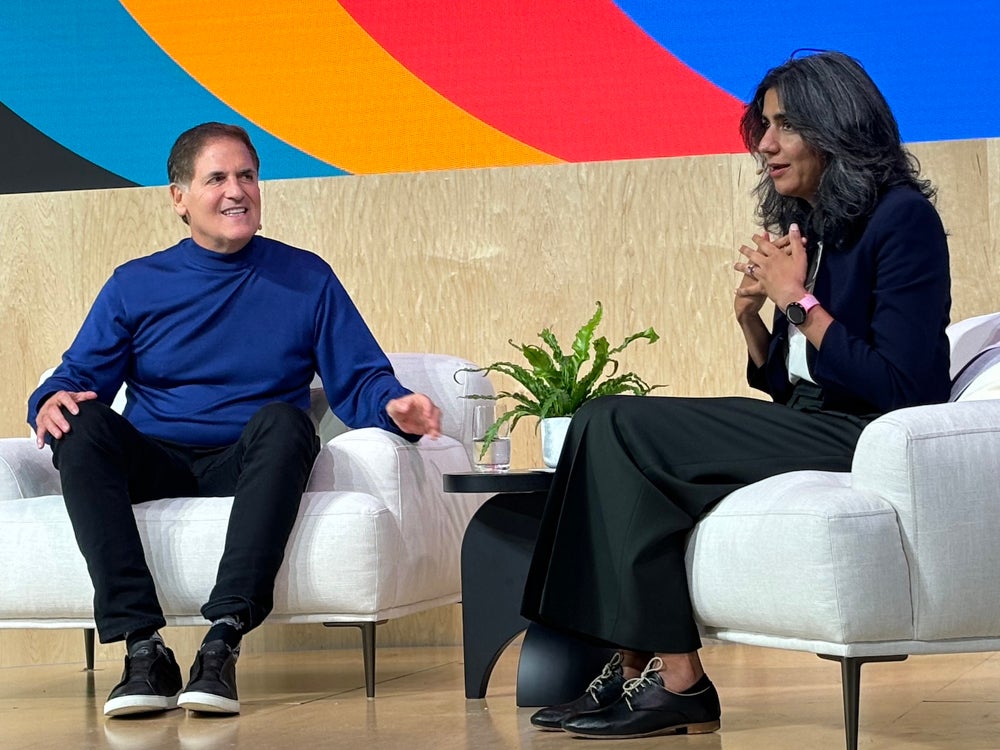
459,262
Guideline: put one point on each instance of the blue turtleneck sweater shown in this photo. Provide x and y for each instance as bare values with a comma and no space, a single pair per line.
203,340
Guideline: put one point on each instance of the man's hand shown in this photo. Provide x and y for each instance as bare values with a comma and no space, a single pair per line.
415,414
51,420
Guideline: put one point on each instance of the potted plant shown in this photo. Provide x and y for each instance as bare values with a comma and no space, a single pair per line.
557,383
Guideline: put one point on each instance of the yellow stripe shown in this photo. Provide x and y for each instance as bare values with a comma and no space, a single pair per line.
308,74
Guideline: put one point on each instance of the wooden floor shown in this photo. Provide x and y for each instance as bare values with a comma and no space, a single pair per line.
771,699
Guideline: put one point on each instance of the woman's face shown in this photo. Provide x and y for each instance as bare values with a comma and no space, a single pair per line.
792,164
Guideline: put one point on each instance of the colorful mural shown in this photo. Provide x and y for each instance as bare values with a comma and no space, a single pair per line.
94,93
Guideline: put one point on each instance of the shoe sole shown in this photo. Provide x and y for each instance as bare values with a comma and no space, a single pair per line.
208,703
128,705
702,728
546,728
549,727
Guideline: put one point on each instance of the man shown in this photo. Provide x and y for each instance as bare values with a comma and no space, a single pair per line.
217,339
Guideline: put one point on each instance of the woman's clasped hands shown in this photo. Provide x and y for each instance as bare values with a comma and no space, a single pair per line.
774,269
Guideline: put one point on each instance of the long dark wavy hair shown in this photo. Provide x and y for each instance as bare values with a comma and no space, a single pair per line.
831,101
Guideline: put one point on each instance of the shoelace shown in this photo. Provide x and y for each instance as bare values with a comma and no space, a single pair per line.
636,684
215,659
605,674
141,662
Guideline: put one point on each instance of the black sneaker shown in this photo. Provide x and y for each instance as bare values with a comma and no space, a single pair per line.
212,687
151,681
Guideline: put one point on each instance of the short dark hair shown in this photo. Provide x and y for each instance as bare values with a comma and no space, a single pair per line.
180,163
835,106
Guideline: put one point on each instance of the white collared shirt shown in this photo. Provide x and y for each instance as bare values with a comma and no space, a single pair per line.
795,361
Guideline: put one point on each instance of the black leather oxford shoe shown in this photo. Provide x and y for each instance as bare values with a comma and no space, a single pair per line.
647,708
604,690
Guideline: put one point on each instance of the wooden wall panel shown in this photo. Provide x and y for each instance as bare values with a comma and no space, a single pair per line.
459,262
967,179
986,287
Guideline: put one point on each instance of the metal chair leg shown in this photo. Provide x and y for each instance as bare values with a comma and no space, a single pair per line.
368,652
367,629
88,646
850,674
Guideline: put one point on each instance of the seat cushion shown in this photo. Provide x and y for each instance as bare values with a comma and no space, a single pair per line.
801,555
335,561
341,559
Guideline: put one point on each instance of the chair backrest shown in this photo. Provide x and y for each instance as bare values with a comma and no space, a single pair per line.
970,336
975,358
442,377
439,376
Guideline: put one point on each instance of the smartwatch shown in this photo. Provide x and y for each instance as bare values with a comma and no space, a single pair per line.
796,312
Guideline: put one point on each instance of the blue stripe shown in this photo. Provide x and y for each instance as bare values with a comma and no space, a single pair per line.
934,61
89,77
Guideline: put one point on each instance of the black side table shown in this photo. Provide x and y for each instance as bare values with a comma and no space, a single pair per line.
496,552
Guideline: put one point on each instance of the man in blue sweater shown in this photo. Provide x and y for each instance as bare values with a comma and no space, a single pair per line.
217,340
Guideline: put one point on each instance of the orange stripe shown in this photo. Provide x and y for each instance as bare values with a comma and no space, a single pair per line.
308,74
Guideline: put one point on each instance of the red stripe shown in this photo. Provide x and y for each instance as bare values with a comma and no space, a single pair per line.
577,79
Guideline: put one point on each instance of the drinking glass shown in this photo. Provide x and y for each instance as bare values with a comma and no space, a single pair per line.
496,456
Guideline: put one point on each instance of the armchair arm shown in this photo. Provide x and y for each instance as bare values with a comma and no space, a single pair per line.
938,466
26,471
407,478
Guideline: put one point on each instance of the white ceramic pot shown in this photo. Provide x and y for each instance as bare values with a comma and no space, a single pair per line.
553,436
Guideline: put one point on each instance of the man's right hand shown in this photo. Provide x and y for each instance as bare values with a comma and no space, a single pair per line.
51,420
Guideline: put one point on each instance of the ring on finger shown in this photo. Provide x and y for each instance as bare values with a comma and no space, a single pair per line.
751,267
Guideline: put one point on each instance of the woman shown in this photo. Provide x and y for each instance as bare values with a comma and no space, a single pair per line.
858,273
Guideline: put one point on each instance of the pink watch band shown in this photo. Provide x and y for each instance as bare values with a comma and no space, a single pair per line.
808,302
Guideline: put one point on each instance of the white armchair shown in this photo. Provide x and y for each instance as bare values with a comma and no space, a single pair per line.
376,537
897,557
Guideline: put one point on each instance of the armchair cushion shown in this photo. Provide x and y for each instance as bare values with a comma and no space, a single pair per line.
802,555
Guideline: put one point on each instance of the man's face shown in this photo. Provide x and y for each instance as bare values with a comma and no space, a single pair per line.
222,203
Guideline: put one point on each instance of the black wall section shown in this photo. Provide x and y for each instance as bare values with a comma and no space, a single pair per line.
31,162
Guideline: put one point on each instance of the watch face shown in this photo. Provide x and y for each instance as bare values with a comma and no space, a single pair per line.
795,313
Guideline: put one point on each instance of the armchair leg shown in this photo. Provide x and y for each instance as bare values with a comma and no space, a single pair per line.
367,629
850,673
368,652
88,648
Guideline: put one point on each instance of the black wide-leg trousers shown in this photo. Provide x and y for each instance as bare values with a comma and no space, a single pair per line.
634,476
106,466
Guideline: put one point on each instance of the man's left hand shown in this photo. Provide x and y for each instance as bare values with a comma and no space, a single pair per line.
415,414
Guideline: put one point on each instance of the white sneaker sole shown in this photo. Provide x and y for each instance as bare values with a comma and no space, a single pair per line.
208,703
139,704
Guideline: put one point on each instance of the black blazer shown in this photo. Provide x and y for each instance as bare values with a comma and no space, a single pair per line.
890,296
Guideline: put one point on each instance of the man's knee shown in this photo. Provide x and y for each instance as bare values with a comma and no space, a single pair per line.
284,423
92,421
90,414
282,416
92,430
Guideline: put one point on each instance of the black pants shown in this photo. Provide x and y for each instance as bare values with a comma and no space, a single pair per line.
634,476
106,465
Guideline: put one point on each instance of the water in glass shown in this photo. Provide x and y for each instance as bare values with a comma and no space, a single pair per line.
496,457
